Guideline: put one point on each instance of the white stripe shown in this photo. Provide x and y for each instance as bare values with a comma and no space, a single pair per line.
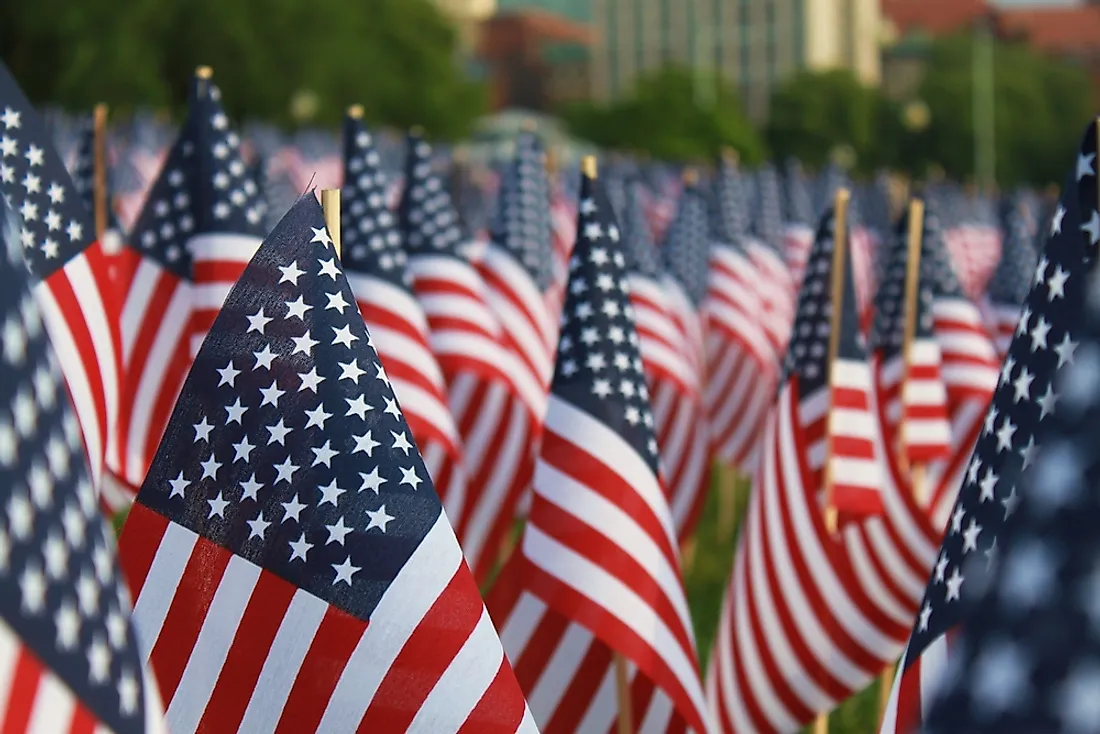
90,301
54,706
521,624
463,683
223,247
410,596
927,432
395,346
559,671
618,600
854,422
872,583
219,627
933,666
850,374
384,295
924,392
292,642
857,472
210,296
160,586
146,279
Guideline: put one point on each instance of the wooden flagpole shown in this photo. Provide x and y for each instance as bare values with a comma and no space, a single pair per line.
330,203
840,246
99,180
622,675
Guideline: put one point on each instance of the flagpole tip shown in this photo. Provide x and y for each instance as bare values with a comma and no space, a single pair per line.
99,112
204,72
355,112
588,166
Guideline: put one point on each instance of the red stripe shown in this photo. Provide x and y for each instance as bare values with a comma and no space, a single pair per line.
138,544
437,639
23,692
83,721
500,709
581,691
236,684
333,644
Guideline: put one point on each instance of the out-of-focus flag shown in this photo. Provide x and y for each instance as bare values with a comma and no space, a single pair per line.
1012,280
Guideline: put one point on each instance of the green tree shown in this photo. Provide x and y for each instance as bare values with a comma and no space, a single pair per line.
664,117
396,57
1041,104
813,113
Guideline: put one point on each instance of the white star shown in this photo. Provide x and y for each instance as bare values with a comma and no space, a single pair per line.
99,662
210,468
941,570
217,506
957,519
286,471
228,375
202,430
1039,334
324,454
358,407
371,481
1092,227
379,519
1010,502
1065,350
336,301
310,381
400,441
1047,402
1056,284
236,412
328,267
1056,222
257,321
337,532
10,118
344,571
67,621
1004,435
291,273
258,527
317,417
970,536
242,450
271,394
321,235
250,489
297,309
299,548
304,344
973,469
278,433
265,357
179,484
1022,385
925,616
344,336
380,374
292,509
350,371
988,484
1084,165
409,477
391,407
954,585
330,493
365,443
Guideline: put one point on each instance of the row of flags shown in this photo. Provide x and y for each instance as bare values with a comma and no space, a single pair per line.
331,432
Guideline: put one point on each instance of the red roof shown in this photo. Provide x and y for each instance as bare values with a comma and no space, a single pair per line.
934,17
1054,29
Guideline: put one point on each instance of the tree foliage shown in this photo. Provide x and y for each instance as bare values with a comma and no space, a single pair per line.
396,57
667,118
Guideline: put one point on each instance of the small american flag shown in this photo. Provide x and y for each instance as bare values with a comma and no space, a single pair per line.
68,658
200,224
598,570
292,564
73,273
1046,340
1011,282
375,265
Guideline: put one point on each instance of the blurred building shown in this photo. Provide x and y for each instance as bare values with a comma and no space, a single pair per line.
752,44
467,16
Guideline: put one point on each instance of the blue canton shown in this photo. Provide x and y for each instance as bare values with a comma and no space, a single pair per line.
687,245
428,219
522,222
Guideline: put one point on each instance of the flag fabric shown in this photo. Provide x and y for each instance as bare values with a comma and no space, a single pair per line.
1011,280
597,572
686,253
811,617
292,564
68,657
73,275
495,401
912,396
375,266
1046,340
200,225
674,386
741,364
1030,663
83,173
777,283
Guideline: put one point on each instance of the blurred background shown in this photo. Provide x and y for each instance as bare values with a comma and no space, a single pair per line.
982,91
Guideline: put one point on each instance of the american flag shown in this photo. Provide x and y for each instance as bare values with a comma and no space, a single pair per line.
1011,283
200,225
292,565
1046,340
811,617
518,265
598,570
909,376
72,272
495,402
686,255
741,361
68,658
83,173
674,386
776,282
799,216
375,265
